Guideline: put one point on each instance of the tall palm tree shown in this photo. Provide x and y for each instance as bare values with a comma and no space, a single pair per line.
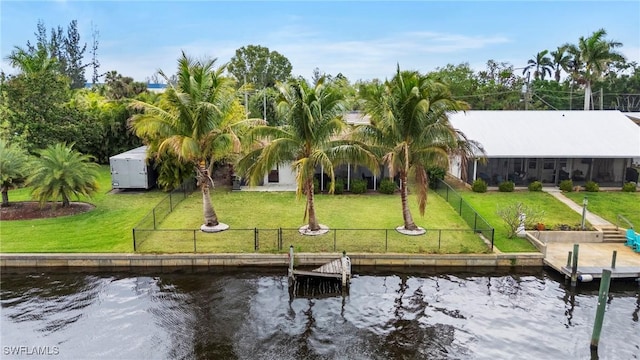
542,65
597,54
312,137
61,172
410,129
560,61
14,168
573,69
197,120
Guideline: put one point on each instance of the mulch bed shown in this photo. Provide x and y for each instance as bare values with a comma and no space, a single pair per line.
26,210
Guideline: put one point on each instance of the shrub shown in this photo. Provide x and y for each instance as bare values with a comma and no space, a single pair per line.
506,186
316,186
566,185
535,186
435,173
592,186
629,187
338,187
387,186
358,186
511,216
479,186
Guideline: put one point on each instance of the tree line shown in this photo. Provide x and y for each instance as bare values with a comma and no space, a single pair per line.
254,114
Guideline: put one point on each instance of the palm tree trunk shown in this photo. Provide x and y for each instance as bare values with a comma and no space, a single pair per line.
313,222
5,196
587,96
210,217
65,199
404,193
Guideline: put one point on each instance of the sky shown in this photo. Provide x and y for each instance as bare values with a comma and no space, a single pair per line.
360,39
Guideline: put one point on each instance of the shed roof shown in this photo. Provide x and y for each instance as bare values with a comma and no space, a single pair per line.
137,153
552,134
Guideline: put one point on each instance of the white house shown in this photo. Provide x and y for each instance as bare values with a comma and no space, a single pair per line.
550,146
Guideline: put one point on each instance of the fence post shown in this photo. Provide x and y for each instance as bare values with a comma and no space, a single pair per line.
255,239
194,241
279,239
134,239
475,221
334,239
460,206
447,194
386,240
439,237
154,218
170,202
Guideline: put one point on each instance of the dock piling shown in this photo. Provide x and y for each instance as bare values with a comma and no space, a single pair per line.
574,266
613,259
602,302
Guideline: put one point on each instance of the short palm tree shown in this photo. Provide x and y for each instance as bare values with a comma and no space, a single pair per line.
14,168
33,61
311,138
197,121
410,129
60,173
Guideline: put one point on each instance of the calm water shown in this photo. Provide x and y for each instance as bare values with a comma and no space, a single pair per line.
245,314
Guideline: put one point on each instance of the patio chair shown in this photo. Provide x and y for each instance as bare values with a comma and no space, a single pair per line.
631,238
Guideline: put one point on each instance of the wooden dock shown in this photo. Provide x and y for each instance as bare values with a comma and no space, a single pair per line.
594,257
338,269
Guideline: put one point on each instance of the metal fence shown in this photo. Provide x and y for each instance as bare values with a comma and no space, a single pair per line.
161,211
278,240
470,216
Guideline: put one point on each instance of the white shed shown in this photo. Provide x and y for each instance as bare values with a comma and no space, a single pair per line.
132,170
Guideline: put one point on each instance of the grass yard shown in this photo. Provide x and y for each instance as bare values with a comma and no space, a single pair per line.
487,204
107,228
608,204
357,224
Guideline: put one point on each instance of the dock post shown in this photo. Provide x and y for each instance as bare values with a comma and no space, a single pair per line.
291,278
344,269
569,259
574,267
602,302
613,259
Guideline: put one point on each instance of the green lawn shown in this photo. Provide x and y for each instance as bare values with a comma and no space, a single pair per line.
487,204
107,228
358,223
609,204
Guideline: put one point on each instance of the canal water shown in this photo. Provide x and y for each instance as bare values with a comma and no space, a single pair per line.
250,314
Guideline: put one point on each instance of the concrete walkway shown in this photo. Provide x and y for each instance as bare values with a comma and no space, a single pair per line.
593,219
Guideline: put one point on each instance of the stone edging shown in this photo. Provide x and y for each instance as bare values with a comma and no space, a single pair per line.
124,260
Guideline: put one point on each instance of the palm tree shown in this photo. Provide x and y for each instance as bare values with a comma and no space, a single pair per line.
596,54
14,168
542,65
310,138
410,129
560,61
33,61
61,172
197,120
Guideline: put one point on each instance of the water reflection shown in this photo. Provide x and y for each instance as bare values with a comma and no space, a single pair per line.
245,314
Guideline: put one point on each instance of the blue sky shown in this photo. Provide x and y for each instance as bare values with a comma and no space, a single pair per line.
361,39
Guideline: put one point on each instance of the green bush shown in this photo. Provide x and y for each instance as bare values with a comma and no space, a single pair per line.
506,186
629,187
592,186
387,186
316,186
535,186
566,185
338,188
435,173
358,186
479,186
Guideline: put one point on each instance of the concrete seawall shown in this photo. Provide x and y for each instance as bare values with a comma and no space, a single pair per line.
117,261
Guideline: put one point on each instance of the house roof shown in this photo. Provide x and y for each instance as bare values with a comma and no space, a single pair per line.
551,134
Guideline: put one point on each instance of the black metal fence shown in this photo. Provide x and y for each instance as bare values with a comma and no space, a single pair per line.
278,240
161,211
470,216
